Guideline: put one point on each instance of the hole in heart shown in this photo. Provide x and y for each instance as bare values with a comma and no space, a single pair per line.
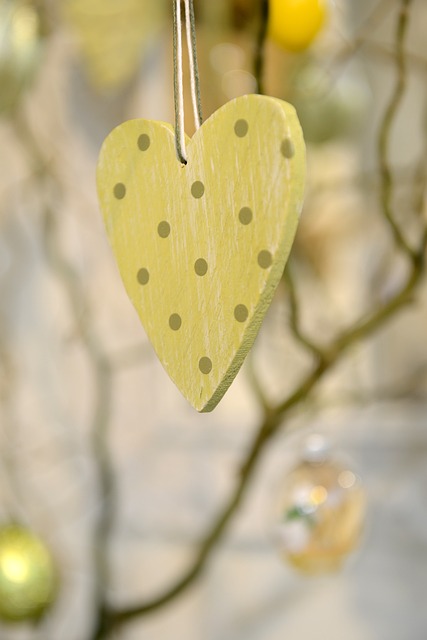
201,267
287,148
143,142
119,191
175,322
264,259
197,189
164,229
143,276
245,215
241,313
241,128
205,365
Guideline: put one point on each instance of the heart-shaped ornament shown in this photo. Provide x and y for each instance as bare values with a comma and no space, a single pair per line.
201,247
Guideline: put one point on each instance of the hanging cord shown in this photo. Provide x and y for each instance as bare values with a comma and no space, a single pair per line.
192,60
178,73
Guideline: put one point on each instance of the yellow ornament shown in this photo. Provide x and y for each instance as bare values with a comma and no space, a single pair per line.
320,515
112,35
28,578
294,24
201,247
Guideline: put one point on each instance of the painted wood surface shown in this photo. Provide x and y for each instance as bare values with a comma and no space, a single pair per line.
201,247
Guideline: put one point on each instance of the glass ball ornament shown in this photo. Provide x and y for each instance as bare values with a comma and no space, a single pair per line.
294,24
320,513
23,28
329,108
28,577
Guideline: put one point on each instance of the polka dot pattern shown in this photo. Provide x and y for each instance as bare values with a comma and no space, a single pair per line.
287,148
119,191
143,276
241,128
201,267
205,365
241,313
245,215
197,189
164,229
144,142
175,322
265,259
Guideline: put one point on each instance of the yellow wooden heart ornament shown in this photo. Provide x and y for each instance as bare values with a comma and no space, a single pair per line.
201,247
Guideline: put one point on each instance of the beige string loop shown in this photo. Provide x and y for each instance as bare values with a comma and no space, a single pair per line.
178,74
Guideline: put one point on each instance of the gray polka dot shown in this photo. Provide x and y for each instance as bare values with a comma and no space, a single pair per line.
175,322
143,142
164,229
241,128
197,189
201,267
245,215
205,365
119,191
241,313
264,259
287,148
143,276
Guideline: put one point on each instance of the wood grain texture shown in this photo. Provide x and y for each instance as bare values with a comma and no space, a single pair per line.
201,247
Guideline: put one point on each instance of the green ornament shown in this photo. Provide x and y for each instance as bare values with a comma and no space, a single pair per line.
28,577
23,29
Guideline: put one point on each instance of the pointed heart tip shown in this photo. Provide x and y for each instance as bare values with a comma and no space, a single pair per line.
207,407
203,405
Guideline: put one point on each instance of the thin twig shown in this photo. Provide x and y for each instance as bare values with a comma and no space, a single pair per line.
256,384
294,317
259,57
384,137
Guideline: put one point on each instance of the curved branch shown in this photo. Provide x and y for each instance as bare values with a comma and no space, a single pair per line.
294,318
384,137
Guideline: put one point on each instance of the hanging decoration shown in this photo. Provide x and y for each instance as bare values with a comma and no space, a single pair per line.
320,512
28,578
294,24
112,36
201,229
